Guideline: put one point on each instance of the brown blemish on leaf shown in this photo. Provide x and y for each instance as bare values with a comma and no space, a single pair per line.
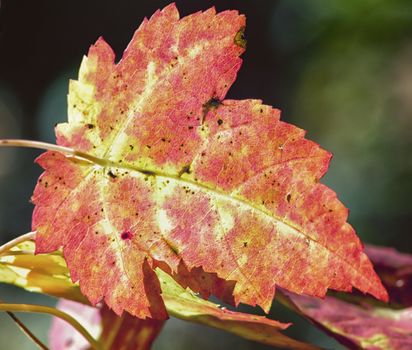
148,172
213,103
113,176
240,38
184,170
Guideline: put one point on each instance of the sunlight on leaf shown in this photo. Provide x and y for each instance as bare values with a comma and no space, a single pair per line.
174,173
180,302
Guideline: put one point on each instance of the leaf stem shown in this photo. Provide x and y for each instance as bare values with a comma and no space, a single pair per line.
25,237
52,147
35,144
26,331
52,311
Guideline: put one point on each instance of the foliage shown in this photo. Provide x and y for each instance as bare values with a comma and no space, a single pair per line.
159,189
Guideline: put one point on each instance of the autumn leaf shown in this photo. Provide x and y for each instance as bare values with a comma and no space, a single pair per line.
126,332
165,170
184,304
62,336
395,270
356,326
43,273
52,277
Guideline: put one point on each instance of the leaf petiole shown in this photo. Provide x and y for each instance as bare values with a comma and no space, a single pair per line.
52,311
26,331
51,147
30,236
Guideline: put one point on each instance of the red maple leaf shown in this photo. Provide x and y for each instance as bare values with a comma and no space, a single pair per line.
168,171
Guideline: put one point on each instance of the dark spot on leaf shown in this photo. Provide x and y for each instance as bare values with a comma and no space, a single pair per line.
113,176
185,170
213,103
90,126
131,147
240,38
288,197
148,172
245,244
126,235
190,127
219,121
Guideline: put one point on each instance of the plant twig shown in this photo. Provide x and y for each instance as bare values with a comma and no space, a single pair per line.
25,237
26,331
55,312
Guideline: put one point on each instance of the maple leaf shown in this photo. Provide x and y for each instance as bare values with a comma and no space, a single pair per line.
356,326
42,273
172,172
395,270
48,273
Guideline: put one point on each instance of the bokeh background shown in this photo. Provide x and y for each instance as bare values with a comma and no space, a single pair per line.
341,69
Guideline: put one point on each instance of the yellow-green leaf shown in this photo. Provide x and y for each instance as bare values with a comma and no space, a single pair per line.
180,302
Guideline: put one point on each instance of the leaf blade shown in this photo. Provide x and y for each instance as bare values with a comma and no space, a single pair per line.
358,327
180,302
227,176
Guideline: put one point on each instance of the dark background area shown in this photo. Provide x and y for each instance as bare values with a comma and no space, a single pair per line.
340,69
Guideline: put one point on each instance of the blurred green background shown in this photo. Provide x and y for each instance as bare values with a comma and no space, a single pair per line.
341,69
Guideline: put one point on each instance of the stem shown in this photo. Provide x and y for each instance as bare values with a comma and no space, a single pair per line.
51,147
26,237
52,311
26,331
36,144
